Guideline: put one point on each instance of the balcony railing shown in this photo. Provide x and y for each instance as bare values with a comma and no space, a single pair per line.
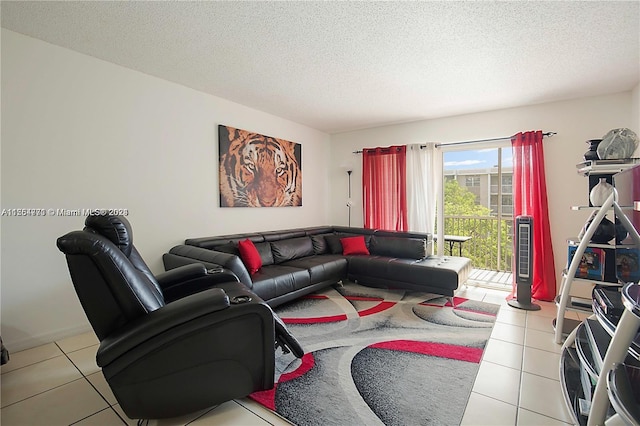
491,243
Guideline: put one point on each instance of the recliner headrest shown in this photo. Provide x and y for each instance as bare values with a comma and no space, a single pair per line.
116,228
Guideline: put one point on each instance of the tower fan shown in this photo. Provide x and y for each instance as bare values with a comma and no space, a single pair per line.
524,264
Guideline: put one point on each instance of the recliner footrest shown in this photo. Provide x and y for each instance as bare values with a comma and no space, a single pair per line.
285,339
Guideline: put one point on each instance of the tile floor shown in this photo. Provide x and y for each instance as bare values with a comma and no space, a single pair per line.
517,383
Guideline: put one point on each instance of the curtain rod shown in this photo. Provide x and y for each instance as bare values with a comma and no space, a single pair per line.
547,134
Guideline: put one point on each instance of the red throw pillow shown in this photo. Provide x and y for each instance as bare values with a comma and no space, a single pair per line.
354,245
250,256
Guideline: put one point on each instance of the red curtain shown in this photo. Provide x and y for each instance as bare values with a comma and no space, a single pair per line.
530,198
384,182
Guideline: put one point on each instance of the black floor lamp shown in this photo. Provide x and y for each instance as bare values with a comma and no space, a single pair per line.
349,202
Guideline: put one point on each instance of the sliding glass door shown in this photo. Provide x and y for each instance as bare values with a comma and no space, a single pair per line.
478,204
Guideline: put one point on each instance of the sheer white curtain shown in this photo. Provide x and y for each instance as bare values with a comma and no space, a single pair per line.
424,180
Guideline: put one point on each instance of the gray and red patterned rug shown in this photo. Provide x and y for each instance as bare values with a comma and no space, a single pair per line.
377,356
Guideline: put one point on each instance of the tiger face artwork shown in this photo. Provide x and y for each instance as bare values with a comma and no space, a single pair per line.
257,170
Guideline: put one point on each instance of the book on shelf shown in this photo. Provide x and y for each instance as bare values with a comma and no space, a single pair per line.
628,264
609,300
591,265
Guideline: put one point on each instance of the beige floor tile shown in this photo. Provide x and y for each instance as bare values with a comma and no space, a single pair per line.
36,378
529,418
63,405
80,341
230,413
498,382
503,353
106,417
541,363
262,412
512,317
543,396
495,299
173,421
502,294
496,296
100,383
547,309
508,333
85,359
541,340
482,410
538,322
31,356
471,293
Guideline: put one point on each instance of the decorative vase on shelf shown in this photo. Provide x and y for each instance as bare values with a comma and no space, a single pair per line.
592,154
621,232
617,144
605,232
599,193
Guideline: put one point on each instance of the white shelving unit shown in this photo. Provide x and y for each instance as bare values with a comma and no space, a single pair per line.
600,358
591,168
564,326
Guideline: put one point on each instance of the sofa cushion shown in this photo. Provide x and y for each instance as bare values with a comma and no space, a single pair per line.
319,243
333,243
293,248
407,248
250,256
230,247
362,266
276,280
324,267
354,245
264,249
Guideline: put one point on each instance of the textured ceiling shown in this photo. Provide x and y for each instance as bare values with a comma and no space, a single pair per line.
338,66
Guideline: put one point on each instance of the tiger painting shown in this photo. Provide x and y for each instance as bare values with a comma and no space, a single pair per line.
258,170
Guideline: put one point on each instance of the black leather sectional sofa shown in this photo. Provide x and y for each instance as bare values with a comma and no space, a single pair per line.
300,261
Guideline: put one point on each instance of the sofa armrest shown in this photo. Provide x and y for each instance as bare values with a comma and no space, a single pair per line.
181,274
192,278
197,307
183,254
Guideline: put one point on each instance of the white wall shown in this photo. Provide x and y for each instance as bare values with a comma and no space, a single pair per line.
78,132
635,113
575,122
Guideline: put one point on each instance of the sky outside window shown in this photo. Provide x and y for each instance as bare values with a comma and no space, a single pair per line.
476,159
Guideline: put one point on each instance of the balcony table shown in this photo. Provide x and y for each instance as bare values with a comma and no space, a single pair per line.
452,239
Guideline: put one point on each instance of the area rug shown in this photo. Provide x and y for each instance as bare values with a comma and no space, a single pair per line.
377,356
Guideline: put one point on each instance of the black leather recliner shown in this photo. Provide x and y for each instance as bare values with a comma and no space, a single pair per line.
174,343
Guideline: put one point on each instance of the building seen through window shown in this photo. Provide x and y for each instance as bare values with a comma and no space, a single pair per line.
478,172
